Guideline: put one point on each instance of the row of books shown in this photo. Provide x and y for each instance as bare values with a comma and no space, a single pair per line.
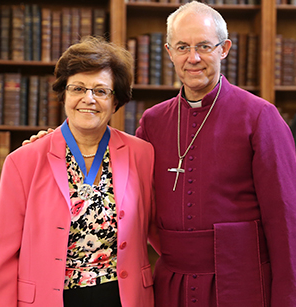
211,2
285,60
152,63
31,32
240,66
292,2
28,101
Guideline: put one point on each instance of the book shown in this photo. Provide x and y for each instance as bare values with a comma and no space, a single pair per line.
43,101
45,34
288,55
56,35
155,58
65,29
5,32
17,40
99,22
139,112
252,61
242,59
278,59
33,100
86,24
54,107
1,97
28,51
131,46
143,42
130,117
167,69
36,32
232,61
24,100
11,99
4,146
75,25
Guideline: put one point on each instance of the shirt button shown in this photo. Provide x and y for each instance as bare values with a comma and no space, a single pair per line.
190,180
189,217
121,214
189,204
190,169
191,158
189,192
194,276
193,300
193,288
192,147
192,135
123,274
123,245
194,125
194,113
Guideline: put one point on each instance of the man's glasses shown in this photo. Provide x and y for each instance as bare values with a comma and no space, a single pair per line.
99,92
199,48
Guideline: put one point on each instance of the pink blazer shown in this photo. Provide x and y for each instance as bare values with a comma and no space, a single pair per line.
35,221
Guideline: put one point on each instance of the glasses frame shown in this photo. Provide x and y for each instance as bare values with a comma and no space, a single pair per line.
188,48
109,90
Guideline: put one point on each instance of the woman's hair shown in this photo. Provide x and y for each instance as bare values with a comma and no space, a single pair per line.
200,9
94,54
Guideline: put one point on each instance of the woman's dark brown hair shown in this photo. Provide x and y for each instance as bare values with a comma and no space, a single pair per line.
95,54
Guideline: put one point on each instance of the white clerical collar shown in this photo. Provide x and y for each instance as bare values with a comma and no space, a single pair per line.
194,104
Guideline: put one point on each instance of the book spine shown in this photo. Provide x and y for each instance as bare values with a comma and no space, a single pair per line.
155,64
86,24
28,33
12,85
5,32
99,22
36,32
33,100
46,35
75,25
56,35
143,59
17,34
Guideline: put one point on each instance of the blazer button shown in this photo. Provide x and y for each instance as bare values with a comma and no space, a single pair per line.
123,245
123,274
121,214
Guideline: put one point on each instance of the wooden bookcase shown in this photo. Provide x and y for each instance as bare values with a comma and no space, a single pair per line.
128,19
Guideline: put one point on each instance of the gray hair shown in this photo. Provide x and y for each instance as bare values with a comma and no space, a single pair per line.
200,9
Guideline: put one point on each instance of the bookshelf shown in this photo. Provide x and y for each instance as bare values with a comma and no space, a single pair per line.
128,19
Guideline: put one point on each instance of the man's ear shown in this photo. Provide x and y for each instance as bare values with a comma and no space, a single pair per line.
169,51
225,48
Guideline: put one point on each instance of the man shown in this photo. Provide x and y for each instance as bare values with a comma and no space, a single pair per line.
225,180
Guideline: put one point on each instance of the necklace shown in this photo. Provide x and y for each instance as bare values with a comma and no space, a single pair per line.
178,169
88,156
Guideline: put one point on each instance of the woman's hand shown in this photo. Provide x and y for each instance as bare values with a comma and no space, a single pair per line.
37,136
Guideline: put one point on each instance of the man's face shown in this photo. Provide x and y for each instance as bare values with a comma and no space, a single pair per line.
199,72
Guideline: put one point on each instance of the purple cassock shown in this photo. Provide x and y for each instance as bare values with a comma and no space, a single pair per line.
228,231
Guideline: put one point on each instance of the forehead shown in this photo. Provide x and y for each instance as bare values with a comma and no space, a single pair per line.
193,28
102,77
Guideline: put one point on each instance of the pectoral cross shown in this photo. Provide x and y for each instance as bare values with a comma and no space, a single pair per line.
178,170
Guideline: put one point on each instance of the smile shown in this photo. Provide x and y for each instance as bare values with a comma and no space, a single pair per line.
87,111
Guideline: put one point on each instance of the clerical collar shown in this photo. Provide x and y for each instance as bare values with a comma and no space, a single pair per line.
193,103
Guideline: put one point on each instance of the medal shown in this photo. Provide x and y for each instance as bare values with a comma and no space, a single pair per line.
85,191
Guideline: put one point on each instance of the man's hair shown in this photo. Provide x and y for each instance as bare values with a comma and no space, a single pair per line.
200,9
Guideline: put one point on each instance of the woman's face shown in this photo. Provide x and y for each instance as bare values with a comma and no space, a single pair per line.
87,112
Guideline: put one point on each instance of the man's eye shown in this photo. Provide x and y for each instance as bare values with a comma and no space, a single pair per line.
181,48
205,47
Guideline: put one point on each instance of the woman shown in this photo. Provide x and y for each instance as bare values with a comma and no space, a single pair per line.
77,206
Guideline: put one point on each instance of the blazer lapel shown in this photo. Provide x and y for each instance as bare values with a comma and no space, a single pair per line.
56,157
119,153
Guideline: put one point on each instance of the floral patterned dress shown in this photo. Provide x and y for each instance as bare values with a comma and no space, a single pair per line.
92,247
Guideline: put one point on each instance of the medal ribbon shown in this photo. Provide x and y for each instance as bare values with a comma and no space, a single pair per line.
69,138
